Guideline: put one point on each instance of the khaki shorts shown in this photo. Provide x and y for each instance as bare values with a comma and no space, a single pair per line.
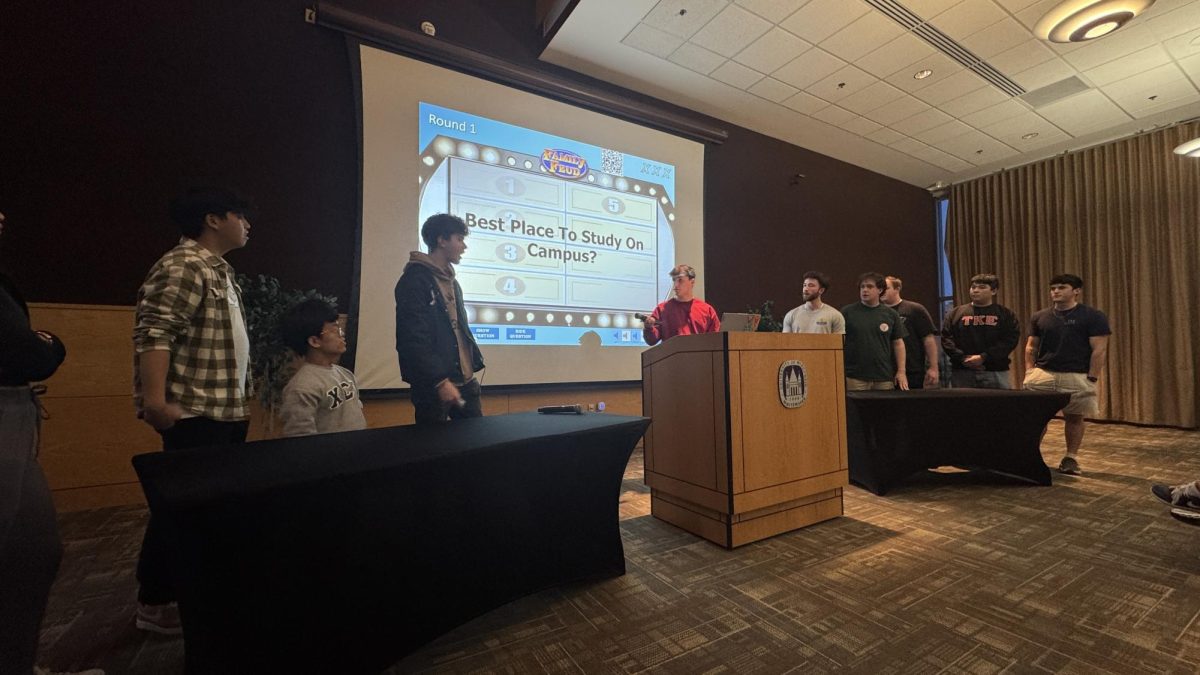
853,384
1083,393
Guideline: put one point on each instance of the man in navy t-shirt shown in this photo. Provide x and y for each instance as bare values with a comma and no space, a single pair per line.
1065,352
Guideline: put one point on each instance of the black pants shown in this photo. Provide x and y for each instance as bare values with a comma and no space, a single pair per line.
916,379
154,564
430,410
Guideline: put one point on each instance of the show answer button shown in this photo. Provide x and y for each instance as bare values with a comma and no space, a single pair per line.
485,332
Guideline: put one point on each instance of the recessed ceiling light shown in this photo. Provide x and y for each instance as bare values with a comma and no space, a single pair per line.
922,74
1189,149
1029,136
1082,20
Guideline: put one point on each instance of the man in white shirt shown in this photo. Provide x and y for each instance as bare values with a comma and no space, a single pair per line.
814,316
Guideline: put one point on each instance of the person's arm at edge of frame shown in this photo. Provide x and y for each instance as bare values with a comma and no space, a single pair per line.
1031,347
173,295
1099,345
901,375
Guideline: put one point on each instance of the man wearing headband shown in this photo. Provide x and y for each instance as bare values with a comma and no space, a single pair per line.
683,314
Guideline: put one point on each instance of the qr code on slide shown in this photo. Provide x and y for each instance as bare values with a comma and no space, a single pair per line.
612,162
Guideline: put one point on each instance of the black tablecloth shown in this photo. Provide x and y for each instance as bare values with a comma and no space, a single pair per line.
892,434
342,553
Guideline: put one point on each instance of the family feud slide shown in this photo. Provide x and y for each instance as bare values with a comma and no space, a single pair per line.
567,240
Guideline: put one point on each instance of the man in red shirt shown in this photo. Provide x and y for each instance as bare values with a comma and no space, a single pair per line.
683,314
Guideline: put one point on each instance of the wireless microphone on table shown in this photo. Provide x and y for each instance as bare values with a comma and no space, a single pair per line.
572,409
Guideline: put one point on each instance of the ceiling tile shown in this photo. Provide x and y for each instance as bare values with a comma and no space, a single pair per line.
843,83
731,31
736,75
811,66
895,56
927,9
1011,130
665,15
696,58
1022,57
884,136
1041,75
975,101
771,51
805,103
1144,83
936,157
1191,66
1137,62
942,132
834,115
905,106
922,121
868,32
976,147
1183,46
772,89
1034,11
861,126
1084,113
819,19
652,41
993,114
1172,23
1167,84
939,63
772,10
908,145
871,97
1015,6
959,84
968,17
1119,44
997,38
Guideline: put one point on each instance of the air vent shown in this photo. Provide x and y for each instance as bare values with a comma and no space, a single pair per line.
1055,92
944,44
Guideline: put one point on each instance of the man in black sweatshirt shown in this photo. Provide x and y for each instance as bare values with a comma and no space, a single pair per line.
979,337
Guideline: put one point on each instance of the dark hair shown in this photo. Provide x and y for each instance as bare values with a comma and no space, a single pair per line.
986,280
1068,279
441,226
896,282
189,209
875,277
683,270
822,279
304,320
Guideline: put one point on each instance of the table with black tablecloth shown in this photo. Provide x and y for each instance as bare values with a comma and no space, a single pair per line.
341,553
893,434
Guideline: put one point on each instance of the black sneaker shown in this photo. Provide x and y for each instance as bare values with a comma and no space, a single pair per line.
1180,496
1069,466
1189,517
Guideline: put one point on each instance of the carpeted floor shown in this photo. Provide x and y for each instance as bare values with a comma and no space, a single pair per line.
951,572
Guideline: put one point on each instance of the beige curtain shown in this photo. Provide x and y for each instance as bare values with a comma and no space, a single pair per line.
1124,217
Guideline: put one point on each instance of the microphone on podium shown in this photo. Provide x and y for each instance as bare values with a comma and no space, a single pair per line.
572,409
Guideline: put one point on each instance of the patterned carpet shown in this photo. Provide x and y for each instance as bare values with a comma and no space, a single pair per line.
948,573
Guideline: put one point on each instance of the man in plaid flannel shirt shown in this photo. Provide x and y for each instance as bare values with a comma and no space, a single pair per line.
191,359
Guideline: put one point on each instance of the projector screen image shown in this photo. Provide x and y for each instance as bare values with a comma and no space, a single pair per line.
567,239
574,220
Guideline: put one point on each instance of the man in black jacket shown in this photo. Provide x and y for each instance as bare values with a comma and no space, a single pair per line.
438,355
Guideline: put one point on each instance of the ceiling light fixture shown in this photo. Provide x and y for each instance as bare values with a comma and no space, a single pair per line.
922,74
1082,20
1189,149
1030,135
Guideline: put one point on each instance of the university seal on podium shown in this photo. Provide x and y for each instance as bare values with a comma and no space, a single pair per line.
793,384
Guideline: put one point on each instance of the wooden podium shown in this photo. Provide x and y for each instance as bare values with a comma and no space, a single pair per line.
748,433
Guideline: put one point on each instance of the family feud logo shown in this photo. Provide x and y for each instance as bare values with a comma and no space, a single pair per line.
564,164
